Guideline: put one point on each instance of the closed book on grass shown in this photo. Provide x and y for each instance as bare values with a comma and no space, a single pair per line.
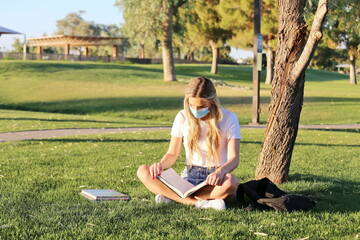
179,185
103,194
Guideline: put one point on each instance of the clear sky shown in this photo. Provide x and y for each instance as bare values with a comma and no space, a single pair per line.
36,17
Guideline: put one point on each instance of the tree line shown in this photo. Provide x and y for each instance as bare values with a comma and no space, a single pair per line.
205,30
192,27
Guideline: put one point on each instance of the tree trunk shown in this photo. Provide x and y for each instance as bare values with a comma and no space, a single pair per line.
269,66
178,53
142,50
215,57
352,69
166,43
292,58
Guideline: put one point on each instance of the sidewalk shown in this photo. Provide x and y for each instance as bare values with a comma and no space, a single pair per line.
45,134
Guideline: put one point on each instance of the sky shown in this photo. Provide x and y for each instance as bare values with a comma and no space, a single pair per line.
36,17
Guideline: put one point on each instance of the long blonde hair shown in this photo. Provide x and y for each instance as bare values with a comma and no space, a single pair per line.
202,87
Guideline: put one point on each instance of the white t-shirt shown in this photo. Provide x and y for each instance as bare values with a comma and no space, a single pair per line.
229,129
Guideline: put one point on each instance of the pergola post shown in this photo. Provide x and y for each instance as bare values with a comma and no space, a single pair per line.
115,52
39,52
24,51
66,50
86,52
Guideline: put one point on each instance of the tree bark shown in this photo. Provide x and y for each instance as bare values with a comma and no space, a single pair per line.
353,69
215,57
292,57
142,50
269,66
166,43
178,53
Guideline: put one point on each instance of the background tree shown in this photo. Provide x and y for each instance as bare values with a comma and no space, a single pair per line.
204,26
269,27
74,25
239,17
159,14
292,57
141,24
17,46
343,27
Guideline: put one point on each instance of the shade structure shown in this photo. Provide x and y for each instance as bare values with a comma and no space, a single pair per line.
75,41
4,30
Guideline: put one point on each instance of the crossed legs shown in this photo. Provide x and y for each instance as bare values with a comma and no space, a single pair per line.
225,191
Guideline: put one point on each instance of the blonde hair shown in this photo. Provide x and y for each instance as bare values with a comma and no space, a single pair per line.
202,87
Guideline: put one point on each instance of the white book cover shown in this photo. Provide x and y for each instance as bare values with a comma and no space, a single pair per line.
104,194
179,185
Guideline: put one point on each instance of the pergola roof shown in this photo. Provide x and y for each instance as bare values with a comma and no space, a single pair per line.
61,40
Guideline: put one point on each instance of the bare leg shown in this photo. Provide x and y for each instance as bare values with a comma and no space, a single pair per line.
226,190
157,187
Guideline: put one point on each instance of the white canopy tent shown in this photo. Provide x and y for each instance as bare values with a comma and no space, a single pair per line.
4,30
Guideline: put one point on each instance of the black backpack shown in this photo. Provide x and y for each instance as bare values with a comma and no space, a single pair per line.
264,194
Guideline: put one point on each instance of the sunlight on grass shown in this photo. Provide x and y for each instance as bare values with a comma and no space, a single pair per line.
135,94
42,180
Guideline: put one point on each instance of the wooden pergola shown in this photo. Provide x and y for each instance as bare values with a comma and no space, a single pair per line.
75,41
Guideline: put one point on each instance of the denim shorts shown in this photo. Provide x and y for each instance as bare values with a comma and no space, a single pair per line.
195,174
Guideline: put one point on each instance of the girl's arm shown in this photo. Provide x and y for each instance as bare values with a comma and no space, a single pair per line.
168,159
217,177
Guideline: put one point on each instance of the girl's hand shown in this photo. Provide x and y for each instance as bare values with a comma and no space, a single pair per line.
215,179
156,169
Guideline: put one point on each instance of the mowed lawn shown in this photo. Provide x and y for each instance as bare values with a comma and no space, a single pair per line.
74,95
40,180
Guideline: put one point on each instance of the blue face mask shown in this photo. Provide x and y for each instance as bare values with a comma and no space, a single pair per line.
199,113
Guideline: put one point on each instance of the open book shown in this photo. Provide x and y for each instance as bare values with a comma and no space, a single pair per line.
179,185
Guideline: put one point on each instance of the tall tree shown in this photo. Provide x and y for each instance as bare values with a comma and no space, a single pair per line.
74,24
344,28
205,26
239,17
159,14
169,8
141,23
292,57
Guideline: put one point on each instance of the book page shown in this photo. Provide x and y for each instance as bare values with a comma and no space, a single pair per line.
173,179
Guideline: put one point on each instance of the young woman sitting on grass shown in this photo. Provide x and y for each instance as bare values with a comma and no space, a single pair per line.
211,136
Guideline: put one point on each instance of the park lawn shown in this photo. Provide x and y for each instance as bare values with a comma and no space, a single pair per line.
40,183
42,95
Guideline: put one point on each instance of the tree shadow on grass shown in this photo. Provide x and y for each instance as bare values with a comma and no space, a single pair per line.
51,67
96,140
116,104
59,120
129,104
336,130
316,75
331,194
308,144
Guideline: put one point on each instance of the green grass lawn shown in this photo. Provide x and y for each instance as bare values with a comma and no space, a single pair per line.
40,183
40,180
42,95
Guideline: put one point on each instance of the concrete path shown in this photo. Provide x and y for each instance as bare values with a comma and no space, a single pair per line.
45,134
